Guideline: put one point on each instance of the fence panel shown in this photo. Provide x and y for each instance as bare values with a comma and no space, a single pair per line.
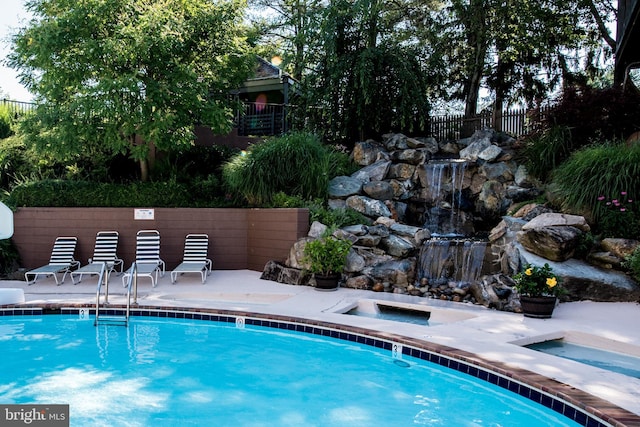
17,107
259,119
515,122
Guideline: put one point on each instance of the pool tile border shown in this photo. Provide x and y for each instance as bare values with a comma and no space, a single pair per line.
584,408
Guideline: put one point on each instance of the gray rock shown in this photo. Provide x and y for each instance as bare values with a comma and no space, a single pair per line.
557,219
342,187
368,207
401,188
411,156
399,272
473,150
355,262
521,194
367,152
359,282
395,141
490,154
586,282
428,143
379,190
317,229
621,248
497,171
491,199
374,172
405,230
604,260
296,254
523,179
379,230
397,246
356,230
553,243
368,240
401,171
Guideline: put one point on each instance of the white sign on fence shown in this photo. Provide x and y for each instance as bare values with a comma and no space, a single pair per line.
143,214
6,222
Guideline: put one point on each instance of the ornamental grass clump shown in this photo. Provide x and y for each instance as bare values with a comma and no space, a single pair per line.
536,281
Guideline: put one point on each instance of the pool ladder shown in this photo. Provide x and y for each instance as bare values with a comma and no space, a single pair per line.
132,284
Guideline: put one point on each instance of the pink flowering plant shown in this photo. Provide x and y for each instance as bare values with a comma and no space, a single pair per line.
534,281
618,216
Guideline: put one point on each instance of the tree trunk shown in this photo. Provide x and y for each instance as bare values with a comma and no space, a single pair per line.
144,170
477,42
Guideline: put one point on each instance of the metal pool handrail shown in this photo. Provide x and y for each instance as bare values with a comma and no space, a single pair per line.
132,283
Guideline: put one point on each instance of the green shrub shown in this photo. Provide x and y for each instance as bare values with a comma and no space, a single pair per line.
196,163
633,264
282,200
336,218
6,122
59,193
15,162
586,242
597,174
297,164
546,151
327,254
9,257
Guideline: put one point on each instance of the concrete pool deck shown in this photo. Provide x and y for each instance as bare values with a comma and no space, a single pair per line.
489,334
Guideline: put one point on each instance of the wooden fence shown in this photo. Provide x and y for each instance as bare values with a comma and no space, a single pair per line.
515,122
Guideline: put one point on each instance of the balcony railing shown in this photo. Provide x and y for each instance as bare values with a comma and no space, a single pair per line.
260,119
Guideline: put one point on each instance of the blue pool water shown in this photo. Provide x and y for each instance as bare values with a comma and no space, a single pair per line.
609,360
174,372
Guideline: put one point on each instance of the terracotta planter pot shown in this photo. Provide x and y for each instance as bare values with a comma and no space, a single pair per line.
327,283
538,307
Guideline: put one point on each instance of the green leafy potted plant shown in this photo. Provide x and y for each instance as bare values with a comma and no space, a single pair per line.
326,257
538,288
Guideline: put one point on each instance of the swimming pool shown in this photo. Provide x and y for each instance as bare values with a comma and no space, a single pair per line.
232,372
402,312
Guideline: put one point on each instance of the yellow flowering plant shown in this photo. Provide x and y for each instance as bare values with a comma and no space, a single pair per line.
534,281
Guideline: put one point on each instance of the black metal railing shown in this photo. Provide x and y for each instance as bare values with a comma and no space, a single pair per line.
260,119
515,122
18,107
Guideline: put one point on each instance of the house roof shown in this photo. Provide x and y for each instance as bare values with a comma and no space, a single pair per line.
268,77
265,69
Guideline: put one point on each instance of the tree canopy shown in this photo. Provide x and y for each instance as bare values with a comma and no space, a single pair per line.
129,75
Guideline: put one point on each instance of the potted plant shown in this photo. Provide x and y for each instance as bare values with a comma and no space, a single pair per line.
539,289
326,257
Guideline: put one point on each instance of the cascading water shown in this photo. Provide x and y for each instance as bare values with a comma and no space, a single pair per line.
444,195
448,260
451,255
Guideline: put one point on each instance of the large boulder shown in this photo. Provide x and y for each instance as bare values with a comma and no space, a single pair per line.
586,282
553,219
342,187
552,243
621,248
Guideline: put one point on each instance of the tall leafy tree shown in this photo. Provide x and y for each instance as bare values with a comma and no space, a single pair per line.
369,77
519,50
289,28
129,75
